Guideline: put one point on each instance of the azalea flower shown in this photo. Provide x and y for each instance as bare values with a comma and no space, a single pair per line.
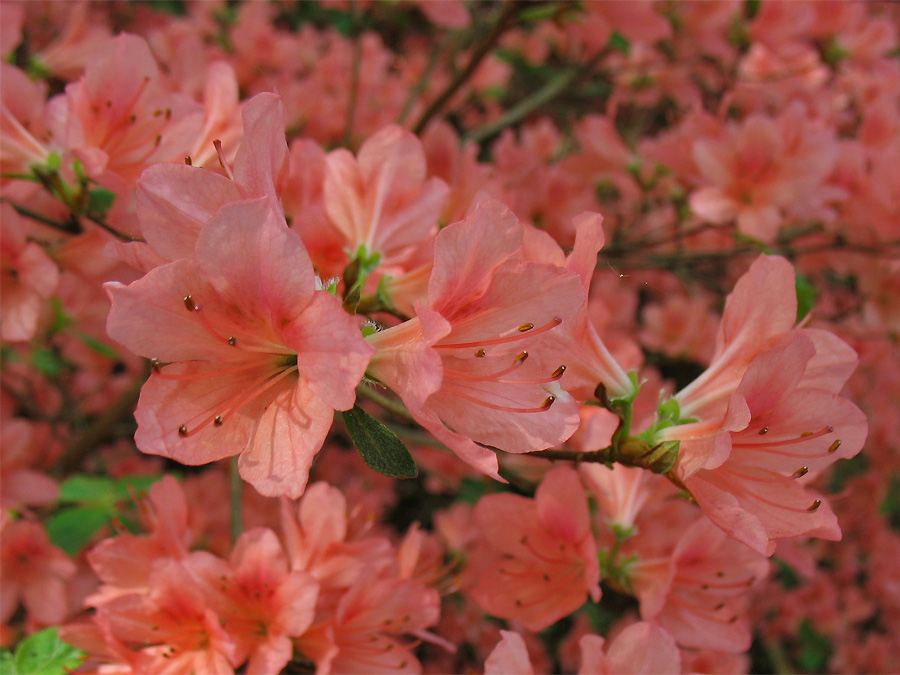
257,360
476,363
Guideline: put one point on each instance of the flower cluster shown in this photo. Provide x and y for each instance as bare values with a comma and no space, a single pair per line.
613,285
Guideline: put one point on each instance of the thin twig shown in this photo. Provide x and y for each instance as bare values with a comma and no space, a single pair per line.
531,103
101,430
503,22
45,220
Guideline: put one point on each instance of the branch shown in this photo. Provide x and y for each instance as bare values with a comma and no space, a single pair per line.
101,430
503,22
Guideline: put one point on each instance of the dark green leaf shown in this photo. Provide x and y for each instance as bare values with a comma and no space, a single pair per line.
619,42
47,362
72,528
815,648
379,446
43,653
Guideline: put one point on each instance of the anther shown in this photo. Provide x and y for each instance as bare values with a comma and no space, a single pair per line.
132,118
218,420
834,446
183,430
157,112
521,358
525,327
187,160
558,372
155,365
547,402
232,340
802,471
189,303
764,431
480,353
814,506
158,140
168,114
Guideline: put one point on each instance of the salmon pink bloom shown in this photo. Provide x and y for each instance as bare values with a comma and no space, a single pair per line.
32,571
538,558
175,201
477,363
259,602
258,360
29,276
381,199
118,119
699,592
640,649
780,431
767,414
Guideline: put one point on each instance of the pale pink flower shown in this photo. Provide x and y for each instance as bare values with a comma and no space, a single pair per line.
28,278
260,603
640,649
364,634
118,119
699,592
259,360
537,561
23,447
780,429
168,629
510,657
476,363
33,572
381,199
175,201
23,129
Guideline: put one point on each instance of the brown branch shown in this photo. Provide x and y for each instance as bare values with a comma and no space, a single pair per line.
101,430
503,22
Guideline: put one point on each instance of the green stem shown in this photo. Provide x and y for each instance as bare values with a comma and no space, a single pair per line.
389,404
539,98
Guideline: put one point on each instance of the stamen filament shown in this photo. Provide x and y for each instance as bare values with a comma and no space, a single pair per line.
503,340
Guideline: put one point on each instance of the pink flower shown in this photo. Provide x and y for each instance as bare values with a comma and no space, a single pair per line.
381,199
29,276
640,649
118,119
699,592
538,559
767,415
175,201
260,603
477,363
33,572
258,359
781,429
509,657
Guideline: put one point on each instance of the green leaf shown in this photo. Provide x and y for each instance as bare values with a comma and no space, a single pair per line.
99,201
815,648
379,446
99,347
71,528
806,296
43,653
619,42
87,490
47,362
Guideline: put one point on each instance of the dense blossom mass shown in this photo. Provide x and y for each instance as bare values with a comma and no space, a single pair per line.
444,336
